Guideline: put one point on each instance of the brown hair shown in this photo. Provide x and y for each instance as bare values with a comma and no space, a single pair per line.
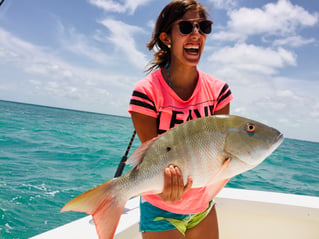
174,11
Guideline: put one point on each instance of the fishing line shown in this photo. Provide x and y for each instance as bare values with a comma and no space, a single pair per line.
121,166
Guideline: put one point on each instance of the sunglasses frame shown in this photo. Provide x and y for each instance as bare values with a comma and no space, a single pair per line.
195,24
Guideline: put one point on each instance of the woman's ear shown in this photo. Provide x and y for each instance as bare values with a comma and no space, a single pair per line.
165,38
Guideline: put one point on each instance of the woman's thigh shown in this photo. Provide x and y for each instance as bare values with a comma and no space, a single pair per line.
171,234
208,228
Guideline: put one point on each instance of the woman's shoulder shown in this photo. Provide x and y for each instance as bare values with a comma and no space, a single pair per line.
149,81
149,87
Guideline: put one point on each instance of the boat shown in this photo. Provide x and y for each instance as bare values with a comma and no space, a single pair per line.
246,214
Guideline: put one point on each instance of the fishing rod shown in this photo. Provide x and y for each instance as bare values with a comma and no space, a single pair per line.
1,1
121,166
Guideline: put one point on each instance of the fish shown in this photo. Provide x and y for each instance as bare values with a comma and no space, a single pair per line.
211,150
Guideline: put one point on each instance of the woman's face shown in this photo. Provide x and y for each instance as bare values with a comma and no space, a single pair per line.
187,49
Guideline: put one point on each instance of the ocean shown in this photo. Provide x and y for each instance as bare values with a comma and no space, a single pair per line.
49,155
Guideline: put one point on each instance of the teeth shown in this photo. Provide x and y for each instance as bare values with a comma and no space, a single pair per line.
192,47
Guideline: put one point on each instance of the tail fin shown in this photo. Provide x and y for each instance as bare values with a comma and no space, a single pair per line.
104,203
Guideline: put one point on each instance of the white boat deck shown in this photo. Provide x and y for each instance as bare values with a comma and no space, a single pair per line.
241,214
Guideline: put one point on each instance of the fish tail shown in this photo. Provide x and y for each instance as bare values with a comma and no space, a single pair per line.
104,203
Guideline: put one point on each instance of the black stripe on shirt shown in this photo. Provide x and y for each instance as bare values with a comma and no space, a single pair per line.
141,102
221,97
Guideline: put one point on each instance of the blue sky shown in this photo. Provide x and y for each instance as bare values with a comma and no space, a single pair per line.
88,54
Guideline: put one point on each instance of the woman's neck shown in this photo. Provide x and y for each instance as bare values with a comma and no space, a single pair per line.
182,80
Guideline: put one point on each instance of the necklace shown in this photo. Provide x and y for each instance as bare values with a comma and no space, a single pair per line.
168,75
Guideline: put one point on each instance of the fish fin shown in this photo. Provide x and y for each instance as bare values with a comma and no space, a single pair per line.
215,188
107,218
225,164
137,156
103,204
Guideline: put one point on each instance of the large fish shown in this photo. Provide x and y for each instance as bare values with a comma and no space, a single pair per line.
211,150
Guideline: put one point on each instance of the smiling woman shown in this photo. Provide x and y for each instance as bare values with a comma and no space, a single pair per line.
174,92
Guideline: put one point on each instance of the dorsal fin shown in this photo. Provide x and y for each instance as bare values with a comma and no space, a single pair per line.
138,155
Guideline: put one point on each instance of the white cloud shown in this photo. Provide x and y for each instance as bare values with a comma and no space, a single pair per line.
280,18
255,72
50,80
229,36
294,41
277,19
253,58
81,45
122,38
287,104
14,49
116,6
224,4
31,58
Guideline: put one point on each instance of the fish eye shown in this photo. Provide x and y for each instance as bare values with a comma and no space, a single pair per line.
250,128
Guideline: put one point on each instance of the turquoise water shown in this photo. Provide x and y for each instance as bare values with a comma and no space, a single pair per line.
50,155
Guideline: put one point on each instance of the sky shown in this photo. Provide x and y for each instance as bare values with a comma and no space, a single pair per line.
88,55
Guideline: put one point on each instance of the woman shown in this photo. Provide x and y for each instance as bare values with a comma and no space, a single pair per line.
175,92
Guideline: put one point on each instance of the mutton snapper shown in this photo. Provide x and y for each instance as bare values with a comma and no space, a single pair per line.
211,150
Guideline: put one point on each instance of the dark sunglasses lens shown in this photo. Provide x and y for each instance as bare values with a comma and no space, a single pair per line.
185,27
205,27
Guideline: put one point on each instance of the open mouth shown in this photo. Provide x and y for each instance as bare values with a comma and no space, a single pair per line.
192,50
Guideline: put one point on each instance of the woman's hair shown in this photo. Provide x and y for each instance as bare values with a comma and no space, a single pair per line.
174,11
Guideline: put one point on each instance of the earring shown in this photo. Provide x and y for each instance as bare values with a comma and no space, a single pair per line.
169,45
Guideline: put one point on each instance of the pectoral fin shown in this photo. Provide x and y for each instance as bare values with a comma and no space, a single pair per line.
214,188
220,170
137,156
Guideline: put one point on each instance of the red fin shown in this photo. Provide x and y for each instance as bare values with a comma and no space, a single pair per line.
215,188
107,217
138,155
225,164
105,203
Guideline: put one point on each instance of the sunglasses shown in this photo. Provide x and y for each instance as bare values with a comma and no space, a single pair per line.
187,27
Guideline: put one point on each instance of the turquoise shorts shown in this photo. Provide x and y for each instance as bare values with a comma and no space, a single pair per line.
156,219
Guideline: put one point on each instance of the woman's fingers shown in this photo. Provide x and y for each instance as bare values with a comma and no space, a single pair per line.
189,184
177,189
174,187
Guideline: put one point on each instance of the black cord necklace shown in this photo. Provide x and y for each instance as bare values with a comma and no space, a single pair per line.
169,82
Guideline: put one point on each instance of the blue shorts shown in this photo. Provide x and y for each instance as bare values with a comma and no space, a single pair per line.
156,219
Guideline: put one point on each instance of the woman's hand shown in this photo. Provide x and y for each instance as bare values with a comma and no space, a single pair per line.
174,187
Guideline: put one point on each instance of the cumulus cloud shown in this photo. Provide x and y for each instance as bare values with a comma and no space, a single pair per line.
251,58
119,6
277,19
293,41
254,49
224,4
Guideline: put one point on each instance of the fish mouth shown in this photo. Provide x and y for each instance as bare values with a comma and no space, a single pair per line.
278,140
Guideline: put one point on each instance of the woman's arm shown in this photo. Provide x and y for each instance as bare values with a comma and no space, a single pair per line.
223,111
144,125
